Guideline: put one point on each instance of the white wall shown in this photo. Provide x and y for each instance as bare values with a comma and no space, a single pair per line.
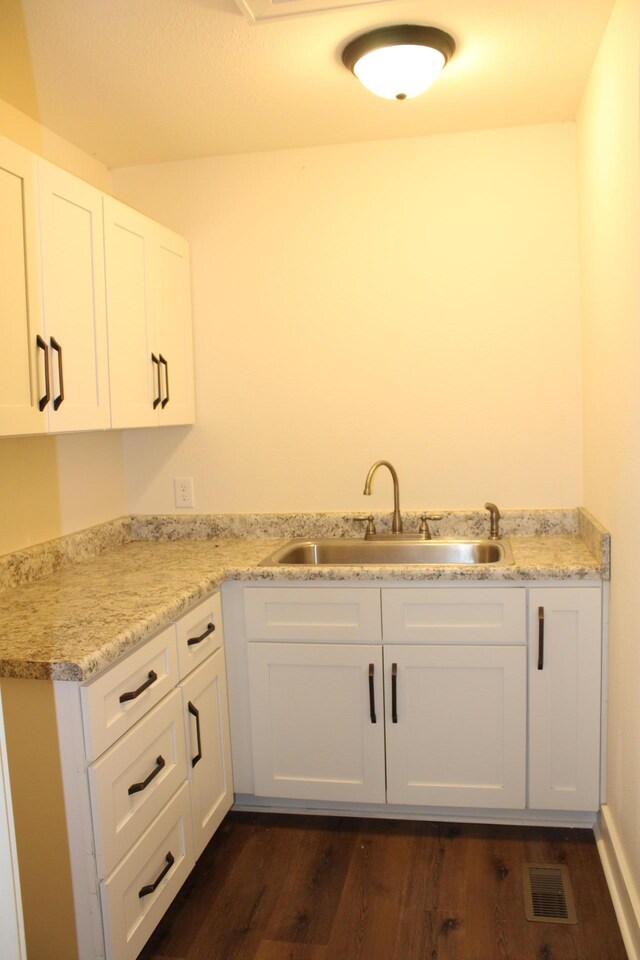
609,174
414,299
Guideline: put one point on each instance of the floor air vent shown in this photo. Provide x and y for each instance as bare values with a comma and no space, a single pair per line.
548,897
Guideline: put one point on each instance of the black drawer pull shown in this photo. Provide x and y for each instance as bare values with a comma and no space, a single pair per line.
56,346
191,642
137,787
166,380
43,401
540,638
196,713
150,887
394,693
372,696
152,677
157,399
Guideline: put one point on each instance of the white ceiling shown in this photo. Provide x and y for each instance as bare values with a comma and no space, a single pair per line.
139,81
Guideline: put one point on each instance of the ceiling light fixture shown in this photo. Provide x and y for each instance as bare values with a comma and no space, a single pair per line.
400,61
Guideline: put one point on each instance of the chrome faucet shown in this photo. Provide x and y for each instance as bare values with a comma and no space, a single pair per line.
396,524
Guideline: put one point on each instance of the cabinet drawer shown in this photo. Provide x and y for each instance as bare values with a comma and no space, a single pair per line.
167,845
114,701
199,634
153,752
454,615
314,613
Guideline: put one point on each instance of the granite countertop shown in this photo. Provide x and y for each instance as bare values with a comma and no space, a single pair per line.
72,623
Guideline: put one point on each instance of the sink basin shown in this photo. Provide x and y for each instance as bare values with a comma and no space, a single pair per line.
356,552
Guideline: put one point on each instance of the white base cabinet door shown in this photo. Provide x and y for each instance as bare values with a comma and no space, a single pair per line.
564,698
24,373
206,713
317,721
456,725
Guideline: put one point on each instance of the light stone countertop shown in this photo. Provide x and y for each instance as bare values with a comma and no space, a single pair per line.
71,624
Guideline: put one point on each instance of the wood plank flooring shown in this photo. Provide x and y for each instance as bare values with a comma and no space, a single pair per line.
275,887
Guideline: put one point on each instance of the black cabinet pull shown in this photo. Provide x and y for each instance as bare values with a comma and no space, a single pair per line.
150,887
43,401
56,346
540,638
137,787
166,380
372,696
191,642
394,693
196,713
157,399
152,676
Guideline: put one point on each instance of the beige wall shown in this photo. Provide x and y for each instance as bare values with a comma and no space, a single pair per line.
412,299
50,486
609,175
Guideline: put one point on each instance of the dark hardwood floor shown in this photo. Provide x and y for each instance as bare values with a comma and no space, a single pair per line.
271,887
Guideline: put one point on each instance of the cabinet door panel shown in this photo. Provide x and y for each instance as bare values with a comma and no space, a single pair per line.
22,379
564,699
207,735
313,735
173,326
72,247
129,266
460,735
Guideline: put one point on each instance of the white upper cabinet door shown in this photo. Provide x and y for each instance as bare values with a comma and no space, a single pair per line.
23,357
317,721
456,725
73,298
134,366
174,340
564,698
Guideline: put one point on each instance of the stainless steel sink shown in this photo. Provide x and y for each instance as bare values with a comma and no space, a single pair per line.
340,552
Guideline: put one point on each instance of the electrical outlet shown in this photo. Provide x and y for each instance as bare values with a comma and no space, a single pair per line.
183,488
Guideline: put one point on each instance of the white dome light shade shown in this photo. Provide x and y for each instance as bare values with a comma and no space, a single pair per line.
398,62
396,73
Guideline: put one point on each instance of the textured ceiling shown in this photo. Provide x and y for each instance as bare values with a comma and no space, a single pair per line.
139,81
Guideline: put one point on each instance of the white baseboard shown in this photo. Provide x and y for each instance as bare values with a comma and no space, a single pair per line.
624,895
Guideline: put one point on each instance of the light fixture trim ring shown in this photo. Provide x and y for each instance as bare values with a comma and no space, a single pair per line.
406,34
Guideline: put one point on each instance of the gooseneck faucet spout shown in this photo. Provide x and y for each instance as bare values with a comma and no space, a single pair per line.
396,525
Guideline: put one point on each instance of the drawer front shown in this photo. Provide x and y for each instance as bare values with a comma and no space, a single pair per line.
454,615
118,698
130,919
200,634
314,613
134,780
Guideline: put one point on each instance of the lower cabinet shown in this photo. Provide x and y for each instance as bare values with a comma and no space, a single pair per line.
318,721
564,698
450,697
456,725
450,721
206,717
155,762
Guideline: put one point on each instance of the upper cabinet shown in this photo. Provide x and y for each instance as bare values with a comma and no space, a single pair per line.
95,307
149,320
24,370
73,301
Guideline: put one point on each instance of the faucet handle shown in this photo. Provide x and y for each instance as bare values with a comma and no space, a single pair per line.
424,523
371,527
